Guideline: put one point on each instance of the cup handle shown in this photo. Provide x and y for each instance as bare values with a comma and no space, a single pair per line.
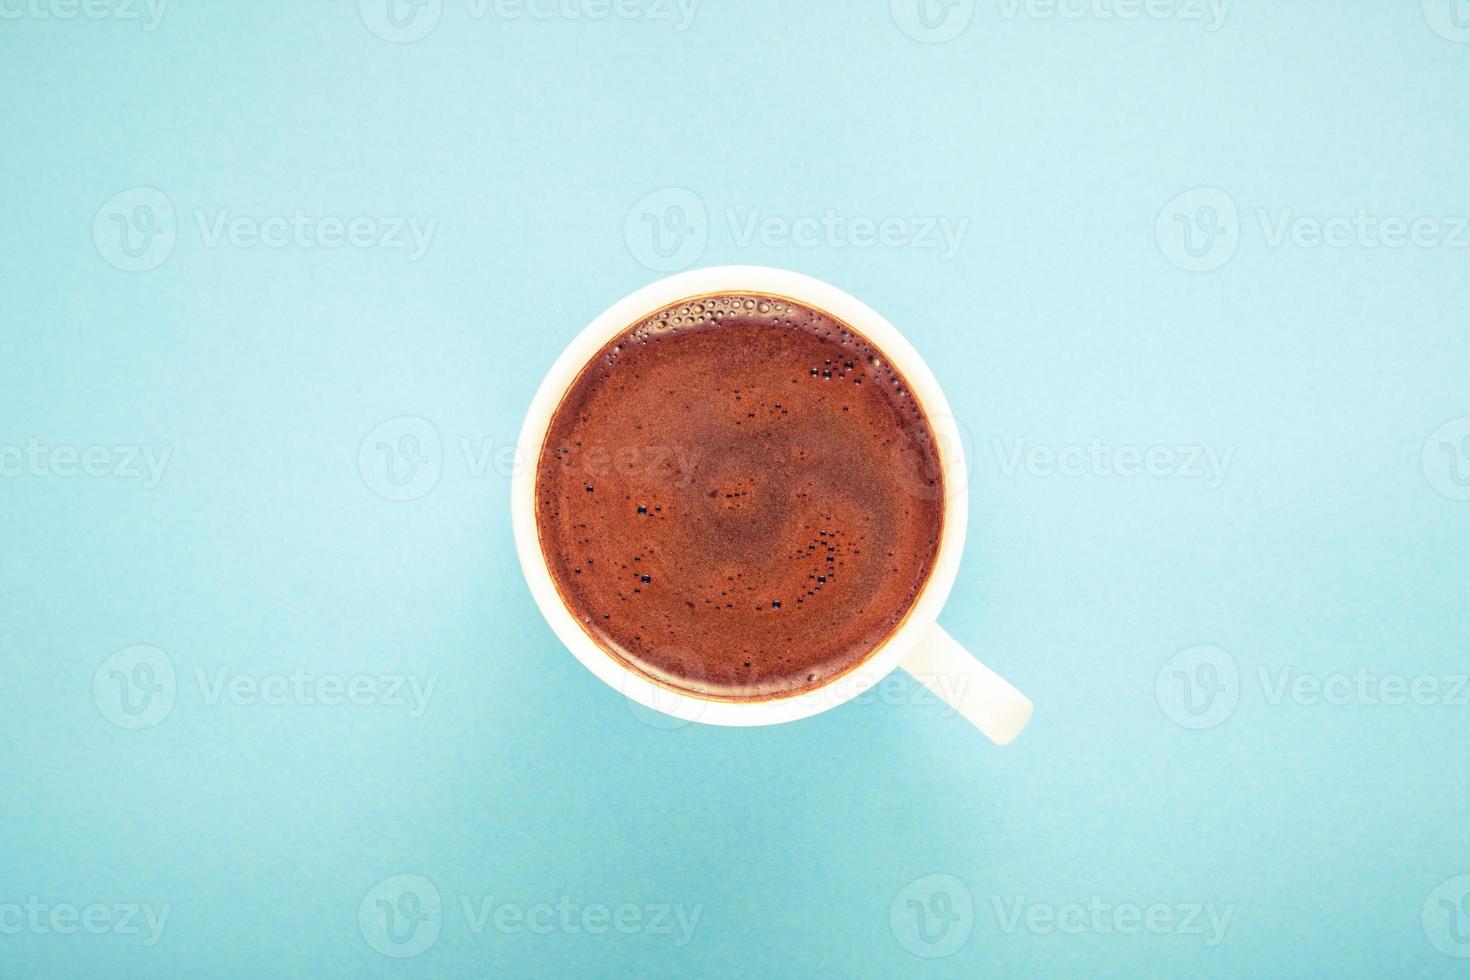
983,697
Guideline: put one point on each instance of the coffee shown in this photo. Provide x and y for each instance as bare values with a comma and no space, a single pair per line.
739,497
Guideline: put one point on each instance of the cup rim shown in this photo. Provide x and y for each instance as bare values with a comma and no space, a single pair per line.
923,386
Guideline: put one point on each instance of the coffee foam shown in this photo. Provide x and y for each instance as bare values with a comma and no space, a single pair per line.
739,498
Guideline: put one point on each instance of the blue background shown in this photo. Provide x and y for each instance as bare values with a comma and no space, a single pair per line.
1060,320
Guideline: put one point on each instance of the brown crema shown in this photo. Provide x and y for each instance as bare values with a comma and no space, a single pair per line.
739,497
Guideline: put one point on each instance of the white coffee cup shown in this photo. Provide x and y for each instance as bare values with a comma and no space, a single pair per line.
919,645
